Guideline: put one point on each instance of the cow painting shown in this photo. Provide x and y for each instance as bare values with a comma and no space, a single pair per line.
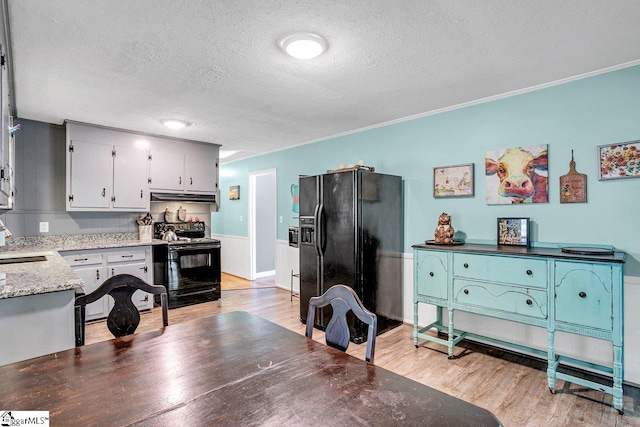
517,175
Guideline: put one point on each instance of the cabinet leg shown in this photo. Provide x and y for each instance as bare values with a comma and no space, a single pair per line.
415,324
451,337
551,362
617,377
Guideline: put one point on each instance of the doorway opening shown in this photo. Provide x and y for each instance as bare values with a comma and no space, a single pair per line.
263,224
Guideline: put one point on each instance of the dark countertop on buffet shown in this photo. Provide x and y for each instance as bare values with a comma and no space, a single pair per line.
537,251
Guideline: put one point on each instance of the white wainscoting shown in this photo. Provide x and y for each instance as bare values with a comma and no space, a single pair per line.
234,255
287,261
631,332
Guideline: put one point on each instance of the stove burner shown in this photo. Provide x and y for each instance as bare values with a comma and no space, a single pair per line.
184,230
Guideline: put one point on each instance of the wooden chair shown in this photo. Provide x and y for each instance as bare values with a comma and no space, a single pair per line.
124,317
342,299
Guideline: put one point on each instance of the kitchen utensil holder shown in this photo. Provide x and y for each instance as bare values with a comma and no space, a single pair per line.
145,232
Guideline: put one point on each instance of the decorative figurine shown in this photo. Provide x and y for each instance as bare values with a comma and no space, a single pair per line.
444,232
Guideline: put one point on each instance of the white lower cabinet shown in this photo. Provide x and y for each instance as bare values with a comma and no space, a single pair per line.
96,266
132,262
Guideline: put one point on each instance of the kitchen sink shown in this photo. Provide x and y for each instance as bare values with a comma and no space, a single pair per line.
18,258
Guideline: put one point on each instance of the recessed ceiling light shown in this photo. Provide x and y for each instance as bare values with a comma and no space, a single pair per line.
304,46
174,124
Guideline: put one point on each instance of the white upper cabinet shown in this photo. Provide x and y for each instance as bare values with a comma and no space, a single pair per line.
166,171
91,175
201,173
107,177
130,179
7,154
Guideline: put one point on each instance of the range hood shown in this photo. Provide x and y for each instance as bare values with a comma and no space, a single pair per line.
184,197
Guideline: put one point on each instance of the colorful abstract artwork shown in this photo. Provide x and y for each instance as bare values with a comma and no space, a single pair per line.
517,175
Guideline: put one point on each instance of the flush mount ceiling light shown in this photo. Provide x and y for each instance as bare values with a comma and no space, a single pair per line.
223,154
304,46
174,124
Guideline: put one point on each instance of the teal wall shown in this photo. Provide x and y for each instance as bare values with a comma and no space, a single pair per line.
578,116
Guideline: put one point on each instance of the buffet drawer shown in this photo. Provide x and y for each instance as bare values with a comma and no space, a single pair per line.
500,298
517,271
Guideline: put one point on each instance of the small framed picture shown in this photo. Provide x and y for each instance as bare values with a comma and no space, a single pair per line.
453,181
513,231
618,161
234,192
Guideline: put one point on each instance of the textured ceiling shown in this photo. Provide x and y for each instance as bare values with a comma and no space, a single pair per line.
217,64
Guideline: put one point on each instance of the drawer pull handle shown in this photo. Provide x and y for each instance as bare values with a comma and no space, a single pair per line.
529,302
466,291
529,273
582,295
127,256
465,265
81,259
431,273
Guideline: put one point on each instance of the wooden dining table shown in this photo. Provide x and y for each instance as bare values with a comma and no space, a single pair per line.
229,369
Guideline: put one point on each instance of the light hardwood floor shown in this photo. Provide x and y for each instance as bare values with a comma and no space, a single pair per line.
512,387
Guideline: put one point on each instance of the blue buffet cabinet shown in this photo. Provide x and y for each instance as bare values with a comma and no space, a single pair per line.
546,287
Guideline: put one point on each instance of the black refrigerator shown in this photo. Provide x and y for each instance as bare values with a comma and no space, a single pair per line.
351,232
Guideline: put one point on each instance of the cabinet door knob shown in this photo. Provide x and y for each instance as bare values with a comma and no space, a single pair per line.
529,302
582,295
141,194
465,265
180,180
466,291
190,181
104,192
97,274
431,273
529,273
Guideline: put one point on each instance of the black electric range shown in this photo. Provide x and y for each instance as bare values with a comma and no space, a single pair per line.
188,267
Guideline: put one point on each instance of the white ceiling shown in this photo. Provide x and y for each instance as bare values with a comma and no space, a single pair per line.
217,64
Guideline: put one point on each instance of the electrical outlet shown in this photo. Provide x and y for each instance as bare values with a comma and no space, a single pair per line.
281,219
44,227
241,218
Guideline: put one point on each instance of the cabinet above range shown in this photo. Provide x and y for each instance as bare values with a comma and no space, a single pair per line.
188,173
116,170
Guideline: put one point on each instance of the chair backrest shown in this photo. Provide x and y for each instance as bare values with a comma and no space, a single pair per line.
124,317
343,299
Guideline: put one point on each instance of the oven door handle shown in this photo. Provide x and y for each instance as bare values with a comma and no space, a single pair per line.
192,247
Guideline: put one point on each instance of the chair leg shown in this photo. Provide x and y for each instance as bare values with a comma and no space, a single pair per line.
164,303
79,324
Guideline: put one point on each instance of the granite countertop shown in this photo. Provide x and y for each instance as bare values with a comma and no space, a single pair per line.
38,277
54,274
